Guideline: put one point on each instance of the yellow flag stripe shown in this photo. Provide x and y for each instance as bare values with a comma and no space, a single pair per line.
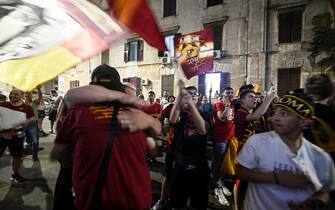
30,72
126,9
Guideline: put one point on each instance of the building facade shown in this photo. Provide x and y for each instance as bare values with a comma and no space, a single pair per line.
264,42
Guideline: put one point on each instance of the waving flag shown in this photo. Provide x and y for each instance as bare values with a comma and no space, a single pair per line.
194,52
41,39
137,16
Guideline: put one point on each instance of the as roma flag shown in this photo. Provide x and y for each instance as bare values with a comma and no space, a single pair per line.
194,52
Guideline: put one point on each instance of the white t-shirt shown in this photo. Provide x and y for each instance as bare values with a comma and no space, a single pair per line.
266,152
164,103
55,101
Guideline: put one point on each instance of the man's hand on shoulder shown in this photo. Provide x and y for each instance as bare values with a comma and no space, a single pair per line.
136,120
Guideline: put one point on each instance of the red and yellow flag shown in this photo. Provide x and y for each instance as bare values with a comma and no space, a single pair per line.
137,16
194,52
41,39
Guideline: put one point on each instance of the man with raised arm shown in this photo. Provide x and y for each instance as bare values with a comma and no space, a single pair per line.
190,175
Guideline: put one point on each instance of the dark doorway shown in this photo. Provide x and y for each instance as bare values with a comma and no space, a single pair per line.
288,79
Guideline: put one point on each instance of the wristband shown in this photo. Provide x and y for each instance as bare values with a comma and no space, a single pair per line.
275,175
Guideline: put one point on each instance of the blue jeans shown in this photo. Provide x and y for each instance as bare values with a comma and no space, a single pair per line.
219,149
33,137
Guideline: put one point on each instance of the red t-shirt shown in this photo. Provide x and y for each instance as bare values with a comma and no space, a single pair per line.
153,109
128,184
14,115
243,129
25,108
222,131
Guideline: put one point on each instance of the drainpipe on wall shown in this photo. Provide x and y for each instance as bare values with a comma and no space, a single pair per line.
266,18
247,45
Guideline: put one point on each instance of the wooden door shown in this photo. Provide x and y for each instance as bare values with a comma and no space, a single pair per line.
288,80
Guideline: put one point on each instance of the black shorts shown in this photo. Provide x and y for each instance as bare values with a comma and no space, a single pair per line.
192,184
15,146
41,114
52,115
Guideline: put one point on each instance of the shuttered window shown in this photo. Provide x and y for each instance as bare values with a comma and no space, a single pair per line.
169,8
290,24
217,33
133,51
170,45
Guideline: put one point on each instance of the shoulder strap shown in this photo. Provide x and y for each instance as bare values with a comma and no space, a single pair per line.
103,171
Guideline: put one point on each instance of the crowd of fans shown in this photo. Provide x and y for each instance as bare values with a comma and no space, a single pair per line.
279,150
22,124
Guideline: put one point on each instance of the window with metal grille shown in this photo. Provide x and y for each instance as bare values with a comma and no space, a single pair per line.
74,83
133,51
290,24
169,8
213,2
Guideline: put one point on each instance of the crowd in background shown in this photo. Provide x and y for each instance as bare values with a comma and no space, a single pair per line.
279,151
22,119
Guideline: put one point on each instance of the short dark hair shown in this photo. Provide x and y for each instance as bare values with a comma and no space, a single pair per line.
320,85
191,88
152,92
174,98
245,87
53,91
227,88
244,93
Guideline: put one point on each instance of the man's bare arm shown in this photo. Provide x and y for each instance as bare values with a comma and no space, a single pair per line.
261,110
175,111
199,122
284,178
97,94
